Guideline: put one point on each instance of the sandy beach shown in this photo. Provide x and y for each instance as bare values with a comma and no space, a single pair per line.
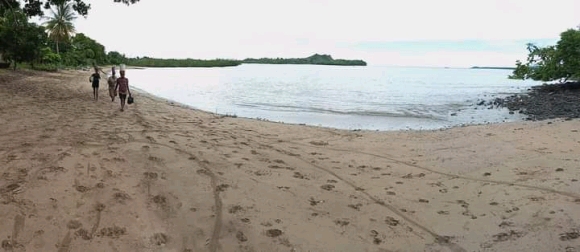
80,175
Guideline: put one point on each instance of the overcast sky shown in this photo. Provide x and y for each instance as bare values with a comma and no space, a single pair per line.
408,33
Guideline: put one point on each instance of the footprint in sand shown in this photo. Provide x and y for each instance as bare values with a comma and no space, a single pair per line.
391,221
121,197
572,235
262,173
74,224
327,187
376,239
81,188
155,159
150,175
222,187
112,232
314,202
273,232
341,222
299,175
355,207
160,200
241,237
235,209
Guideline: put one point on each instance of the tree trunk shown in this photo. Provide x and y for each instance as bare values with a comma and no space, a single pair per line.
57,52
14,65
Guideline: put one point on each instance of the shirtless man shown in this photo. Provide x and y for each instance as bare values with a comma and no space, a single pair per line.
123,87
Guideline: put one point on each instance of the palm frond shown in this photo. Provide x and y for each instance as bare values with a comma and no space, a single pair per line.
60,24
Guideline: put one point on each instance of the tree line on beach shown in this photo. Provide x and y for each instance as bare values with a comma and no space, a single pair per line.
560,62
54,44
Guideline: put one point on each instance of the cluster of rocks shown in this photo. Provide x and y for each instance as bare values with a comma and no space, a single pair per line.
491,104
548,101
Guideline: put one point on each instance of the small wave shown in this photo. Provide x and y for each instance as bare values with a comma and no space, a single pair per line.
290,108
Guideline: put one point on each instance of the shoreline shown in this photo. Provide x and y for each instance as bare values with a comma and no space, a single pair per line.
217,114
436,125
82,174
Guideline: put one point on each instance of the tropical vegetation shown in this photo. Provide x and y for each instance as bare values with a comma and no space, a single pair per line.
55,44
560,62
316,59
60,25
153,62
33,8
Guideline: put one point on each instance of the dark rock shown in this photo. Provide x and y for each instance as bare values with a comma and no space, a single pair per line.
548,101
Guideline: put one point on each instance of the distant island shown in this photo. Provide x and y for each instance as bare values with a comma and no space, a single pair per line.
316,59
498,68
155,62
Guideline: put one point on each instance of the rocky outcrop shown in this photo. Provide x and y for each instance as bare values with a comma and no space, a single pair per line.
548,101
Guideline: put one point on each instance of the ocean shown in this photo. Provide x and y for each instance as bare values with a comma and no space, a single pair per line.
343,97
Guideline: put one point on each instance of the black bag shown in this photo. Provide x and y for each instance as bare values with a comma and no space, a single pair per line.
130,100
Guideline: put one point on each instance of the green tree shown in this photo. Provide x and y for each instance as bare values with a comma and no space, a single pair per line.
21,41
60,25
116,58
82,51
559,62
49,57
90,48
35,7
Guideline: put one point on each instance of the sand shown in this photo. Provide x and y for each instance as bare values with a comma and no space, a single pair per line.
80,175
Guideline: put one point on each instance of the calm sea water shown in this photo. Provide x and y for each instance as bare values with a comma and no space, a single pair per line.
370,98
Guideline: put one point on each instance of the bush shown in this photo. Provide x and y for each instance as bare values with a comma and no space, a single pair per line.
46,67
560,62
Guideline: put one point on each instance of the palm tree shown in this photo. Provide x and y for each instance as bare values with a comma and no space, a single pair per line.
60,25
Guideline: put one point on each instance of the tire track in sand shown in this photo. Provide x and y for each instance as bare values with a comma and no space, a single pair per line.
218,205
439,239
397,161
394,160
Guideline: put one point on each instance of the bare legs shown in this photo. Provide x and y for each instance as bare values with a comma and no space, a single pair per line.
96,94
123,103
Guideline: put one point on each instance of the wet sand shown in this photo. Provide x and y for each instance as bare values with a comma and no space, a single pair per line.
80,175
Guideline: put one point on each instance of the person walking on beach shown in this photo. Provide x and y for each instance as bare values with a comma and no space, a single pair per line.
112,81
123,87
94,79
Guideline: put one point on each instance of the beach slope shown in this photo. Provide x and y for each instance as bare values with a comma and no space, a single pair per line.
79,175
